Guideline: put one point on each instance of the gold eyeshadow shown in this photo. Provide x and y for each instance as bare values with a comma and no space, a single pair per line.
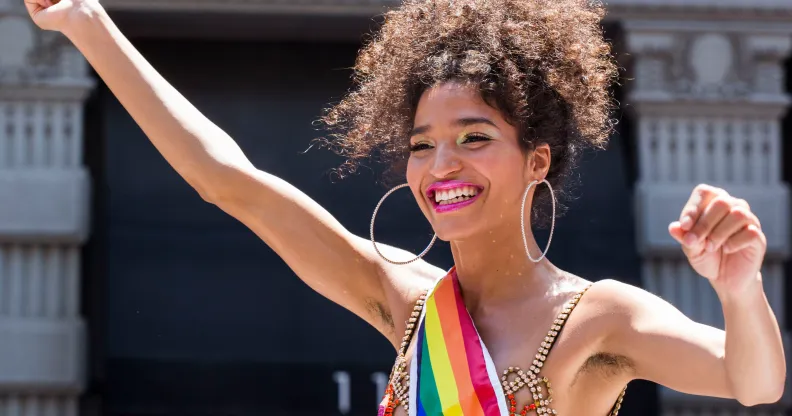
480,132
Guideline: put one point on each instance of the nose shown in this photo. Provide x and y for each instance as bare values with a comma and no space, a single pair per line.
445,163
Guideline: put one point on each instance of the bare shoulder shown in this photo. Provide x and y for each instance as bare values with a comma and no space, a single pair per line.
624,312
407,283
403,286
614,297
623,302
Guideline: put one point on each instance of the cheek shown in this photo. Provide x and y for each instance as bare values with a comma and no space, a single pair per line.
504,172
500,166
413,176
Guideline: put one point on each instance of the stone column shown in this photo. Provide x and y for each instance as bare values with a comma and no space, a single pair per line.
44,195
708,99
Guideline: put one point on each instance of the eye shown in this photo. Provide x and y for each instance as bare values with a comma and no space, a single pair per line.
419,146
476,137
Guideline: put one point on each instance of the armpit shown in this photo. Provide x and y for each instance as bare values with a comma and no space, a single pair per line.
379,312
608,365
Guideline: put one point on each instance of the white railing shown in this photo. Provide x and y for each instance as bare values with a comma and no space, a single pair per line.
40,134
39,281
21,405
716,150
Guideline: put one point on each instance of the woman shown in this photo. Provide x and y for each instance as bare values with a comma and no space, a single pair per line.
488,103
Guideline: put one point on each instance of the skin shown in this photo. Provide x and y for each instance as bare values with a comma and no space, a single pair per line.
618,333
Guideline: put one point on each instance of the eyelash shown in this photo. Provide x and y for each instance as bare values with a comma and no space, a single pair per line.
476,136
423,146
418,146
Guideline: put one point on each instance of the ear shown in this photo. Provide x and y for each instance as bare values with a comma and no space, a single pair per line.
539,162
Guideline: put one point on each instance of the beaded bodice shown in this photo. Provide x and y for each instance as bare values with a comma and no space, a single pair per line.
513,379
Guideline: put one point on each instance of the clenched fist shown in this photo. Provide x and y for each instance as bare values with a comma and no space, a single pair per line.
722,239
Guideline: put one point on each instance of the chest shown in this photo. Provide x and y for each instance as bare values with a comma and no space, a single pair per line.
530,370
527,381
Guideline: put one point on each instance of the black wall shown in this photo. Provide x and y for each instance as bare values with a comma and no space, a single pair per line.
191,314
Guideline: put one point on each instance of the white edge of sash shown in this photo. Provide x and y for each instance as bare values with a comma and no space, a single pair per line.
493,376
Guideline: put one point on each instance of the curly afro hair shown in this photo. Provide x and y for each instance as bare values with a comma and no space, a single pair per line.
544,64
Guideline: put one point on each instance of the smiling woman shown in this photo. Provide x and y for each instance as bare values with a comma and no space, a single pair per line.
543,65
483,107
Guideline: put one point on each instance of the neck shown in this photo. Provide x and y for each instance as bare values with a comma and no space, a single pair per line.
494,268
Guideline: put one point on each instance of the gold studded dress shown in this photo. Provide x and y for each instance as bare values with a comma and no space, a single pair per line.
513,379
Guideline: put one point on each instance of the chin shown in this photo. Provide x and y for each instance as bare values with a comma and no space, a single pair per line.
456,230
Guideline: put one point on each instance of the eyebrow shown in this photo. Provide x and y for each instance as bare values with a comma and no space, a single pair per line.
462,122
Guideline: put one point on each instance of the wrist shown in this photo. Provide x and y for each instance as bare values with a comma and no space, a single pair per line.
748,294
84,23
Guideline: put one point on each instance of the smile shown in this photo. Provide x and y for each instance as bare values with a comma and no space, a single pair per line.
452,195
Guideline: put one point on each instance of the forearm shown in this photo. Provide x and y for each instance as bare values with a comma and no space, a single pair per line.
194,146
755,362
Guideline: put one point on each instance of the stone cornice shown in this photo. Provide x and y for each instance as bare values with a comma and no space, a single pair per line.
363,8
712,10
780,10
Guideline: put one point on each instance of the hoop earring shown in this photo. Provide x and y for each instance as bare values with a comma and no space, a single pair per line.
522,220
371,230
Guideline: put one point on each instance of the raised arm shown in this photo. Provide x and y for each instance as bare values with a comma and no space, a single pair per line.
332,261
724,243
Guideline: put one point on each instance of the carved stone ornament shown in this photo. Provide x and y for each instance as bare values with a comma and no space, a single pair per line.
708,65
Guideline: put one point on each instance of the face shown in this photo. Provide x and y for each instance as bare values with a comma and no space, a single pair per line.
467,169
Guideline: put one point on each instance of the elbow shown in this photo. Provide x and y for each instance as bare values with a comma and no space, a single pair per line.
764,393
212,187
204,191
206,195
221,188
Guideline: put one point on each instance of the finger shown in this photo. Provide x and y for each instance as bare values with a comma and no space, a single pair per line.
711,215
678,234
35,6
743,239
737,218
744,204
51,7
676,231
699,198
32,6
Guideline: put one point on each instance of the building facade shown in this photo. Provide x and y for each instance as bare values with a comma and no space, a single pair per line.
123,293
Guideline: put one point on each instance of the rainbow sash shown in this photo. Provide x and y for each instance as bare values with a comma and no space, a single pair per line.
451,373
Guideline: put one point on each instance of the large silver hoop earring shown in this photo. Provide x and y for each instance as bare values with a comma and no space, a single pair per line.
371,230
522,220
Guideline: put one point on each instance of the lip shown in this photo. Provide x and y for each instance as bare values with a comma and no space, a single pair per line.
446,185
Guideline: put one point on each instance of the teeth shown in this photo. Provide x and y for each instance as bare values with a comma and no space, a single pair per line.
455,195
454,200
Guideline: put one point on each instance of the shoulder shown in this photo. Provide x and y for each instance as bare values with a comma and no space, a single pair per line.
407,282
627,310
404,285
622,299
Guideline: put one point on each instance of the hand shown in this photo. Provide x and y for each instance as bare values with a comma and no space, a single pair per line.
721,238
60,15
